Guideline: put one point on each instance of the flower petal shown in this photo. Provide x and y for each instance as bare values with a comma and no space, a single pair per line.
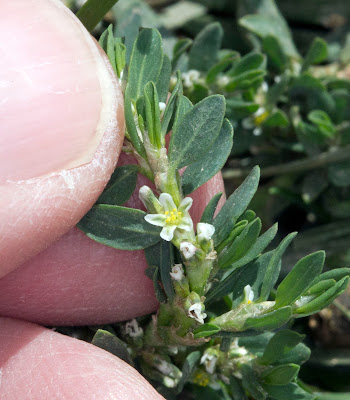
186,204
166,200
205,230
156,219
186,223
167,232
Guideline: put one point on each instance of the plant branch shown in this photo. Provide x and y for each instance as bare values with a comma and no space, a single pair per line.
321,160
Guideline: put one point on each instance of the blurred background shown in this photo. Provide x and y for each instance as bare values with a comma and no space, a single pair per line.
284,68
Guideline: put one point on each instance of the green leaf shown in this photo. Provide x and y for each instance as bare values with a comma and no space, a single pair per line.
238,109
172,103
164,79
288,392
183,106
322,300
208,214
280,345
188,368
252,274
235,206
205,330
274,267
216,69
280,375
299,278
336,274
277,119
250,382
323,122
237,390
196,132
119,227
111,343
321,286
146,62
120,187
166,262
274,51
271,25
332,396
152,272
270,321
93,11
152,113
107,42
250,62
198,92
245,80
179,49
258,247
241,244
339,174
206,45
317,53
298,355
211,163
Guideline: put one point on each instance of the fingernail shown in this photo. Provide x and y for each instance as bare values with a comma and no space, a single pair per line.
56,92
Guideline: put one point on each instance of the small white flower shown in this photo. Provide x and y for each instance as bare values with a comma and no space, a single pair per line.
257,131
133,329
164,367
205,231
162,106
177,273
223,81
248,294
209,361
188,250
190,77
172,217
264,87
196,312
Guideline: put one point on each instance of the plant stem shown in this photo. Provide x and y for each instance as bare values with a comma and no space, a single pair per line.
345,311
321,160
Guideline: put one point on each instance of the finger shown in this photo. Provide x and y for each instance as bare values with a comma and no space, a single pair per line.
37,363
61,122
77,281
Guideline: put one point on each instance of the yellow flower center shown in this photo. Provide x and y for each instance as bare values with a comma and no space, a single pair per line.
173,217
201,378
261,118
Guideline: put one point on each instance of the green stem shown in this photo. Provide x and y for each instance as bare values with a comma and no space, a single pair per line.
345,311
93,11
321,160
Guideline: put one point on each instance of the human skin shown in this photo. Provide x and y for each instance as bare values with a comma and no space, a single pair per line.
61,90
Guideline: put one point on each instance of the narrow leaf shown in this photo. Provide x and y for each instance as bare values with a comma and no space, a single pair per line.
205,330
211,163
119,227
270,321
93,11
171,106
205,47
164,79
188,368
208,214
166,262
235,206
323,300
120,187
196,132
274,267
299,278
111,343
